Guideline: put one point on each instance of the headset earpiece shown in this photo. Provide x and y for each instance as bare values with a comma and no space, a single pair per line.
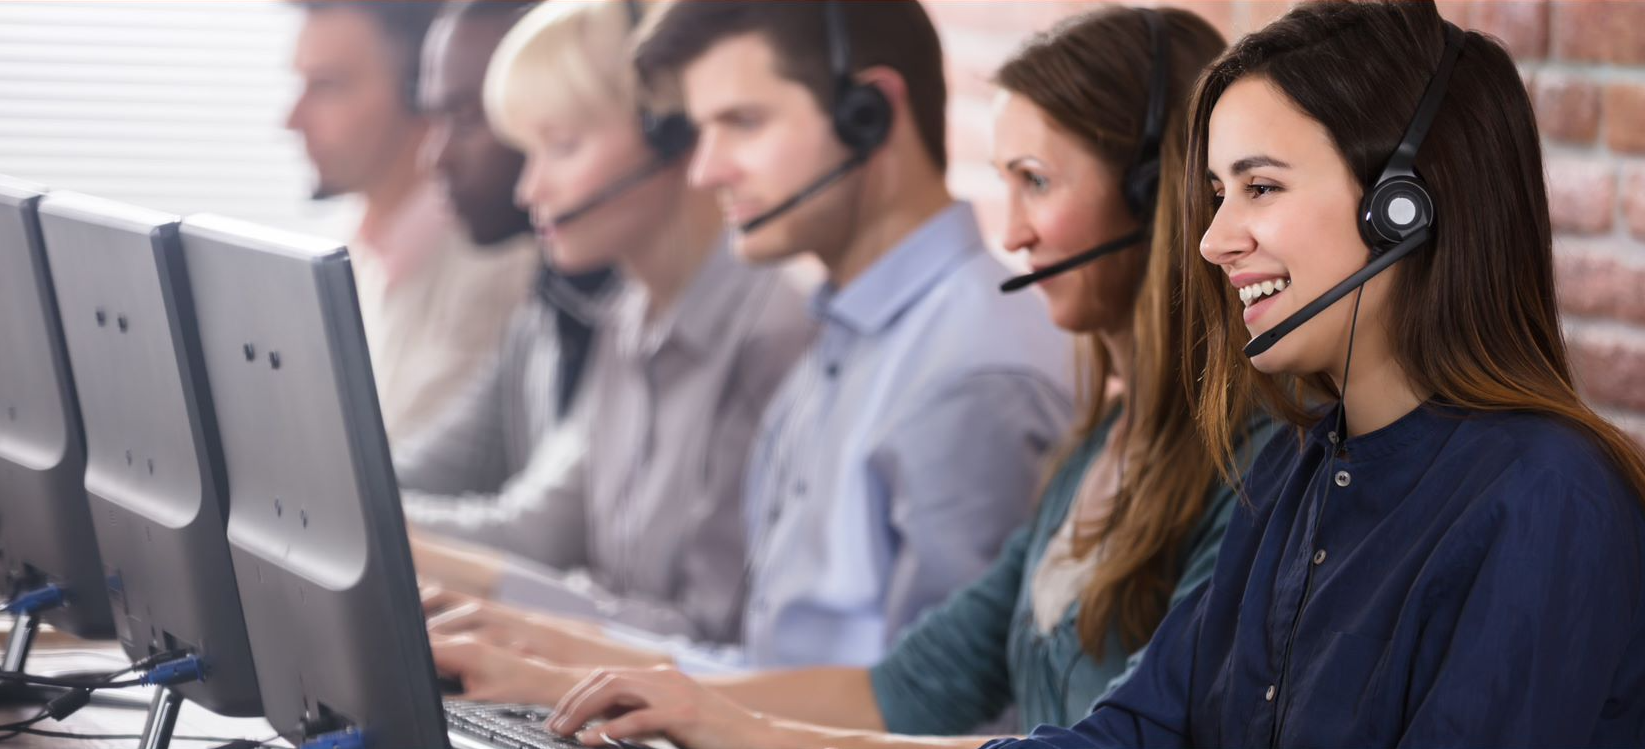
862,117
1141,188
669,136
1398,205
1392,210
861,112
1140,185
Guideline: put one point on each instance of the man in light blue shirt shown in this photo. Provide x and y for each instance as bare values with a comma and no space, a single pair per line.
908,441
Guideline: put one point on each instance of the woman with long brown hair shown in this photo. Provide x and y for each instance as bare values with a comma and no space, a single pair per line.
1129,523
1452,552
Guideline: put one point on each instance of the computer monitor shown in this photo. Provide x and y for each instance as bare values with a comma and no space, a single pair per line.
46,534
154,469
315,527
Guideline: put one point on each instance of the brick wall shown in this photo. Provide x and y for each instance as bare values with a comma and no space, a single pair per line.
1584,64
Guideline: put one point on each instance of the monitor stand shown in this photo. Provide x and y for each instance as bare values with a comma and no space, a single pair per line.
162,718
23,629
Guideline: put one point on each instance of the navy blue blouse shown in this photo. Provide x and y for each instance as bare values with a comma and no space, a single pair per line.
1453,579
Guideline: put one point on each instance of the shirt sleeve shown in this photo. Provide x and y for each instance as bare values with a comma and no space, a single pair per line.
461,450
538,514
949,672
1151,708
706,603
960,474
1196,571
1545,622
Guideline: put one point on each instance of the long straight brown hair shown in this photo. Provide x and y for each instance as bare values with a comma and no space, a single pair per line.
1090,74
1477,323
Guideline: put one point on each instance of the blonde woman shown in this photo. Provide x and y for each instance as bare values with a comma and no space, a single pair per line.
634,516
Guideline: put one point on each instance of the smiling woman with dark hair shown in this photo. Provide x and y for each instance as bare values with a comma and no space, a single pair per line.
1454,552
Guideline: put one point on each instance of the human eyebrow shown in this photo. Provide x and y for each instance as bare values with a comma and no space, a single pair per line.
1248,163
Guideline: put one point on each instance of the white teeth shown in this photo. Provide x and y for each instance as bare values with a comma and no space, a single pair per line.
1251,294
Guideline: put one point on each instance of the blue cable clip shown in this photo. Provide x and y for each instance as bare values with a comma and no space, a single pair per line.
348,738
36,601
180,671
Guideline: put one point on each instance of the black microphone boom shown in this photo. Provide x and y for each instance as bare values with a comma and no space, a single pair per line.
1381,263
806,193
611,192
1063,266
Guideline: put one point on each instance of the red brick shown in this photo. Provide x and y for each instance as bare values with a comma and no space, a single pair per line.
1009,17
1635,427
1633,199
968,81
1219,13
1599,31
977,183
1567,107
1522,25
970,129
1625,117
1456,11
1601,284
1608,368
1581,195
1260,13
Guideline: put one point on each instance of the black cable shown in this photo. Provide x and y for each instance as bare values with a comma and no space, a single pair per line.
106,681
60,707
13,730
99,681
227,742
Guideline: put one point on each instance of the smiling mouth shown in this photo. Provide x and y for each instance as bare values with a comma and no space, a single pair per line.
1249,295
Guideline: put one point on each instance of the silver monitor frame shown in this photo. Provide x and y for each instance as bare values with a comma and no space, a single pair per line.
315,524
154,468
46,531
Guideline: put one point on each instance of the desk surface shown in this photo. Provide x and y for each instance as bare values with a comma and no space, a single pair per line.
120,721
125,724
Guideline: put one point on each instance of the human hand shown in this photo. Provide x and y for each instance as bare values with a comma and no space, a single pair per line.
454,567
558,640
490,673
658,701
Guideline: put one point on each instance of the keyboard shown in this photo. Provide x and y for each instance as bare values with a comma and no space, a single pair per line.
510,726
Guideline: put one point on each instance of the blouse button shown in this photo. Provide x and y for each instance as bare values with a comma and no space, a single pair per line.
1272,690
1319,557
1343,478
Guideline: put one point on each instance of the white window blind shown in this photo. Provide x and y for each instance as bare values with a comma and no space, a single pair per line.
177,106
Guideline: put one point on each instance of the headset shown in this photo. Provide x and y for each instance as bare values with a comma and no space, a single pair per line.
1140,184
861,116
668,137
1396,216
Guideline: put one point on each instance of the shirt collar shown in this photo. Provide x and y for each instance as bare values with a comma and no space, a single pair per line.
409,235
902,276
701,314
1425,423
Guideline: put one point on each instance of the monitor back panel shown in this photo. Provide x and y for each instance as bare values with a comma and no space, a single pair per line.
154,469
315,525
45,522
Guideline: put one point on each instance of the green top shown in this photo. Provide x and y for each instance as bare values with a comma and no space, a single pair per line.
967,660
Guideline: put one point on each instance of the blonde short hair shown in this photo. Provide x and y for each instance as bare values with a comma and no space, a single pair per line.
563,59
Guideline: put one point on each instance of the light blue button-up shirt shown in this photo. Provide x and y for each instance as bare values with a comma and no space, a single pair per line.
902,449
